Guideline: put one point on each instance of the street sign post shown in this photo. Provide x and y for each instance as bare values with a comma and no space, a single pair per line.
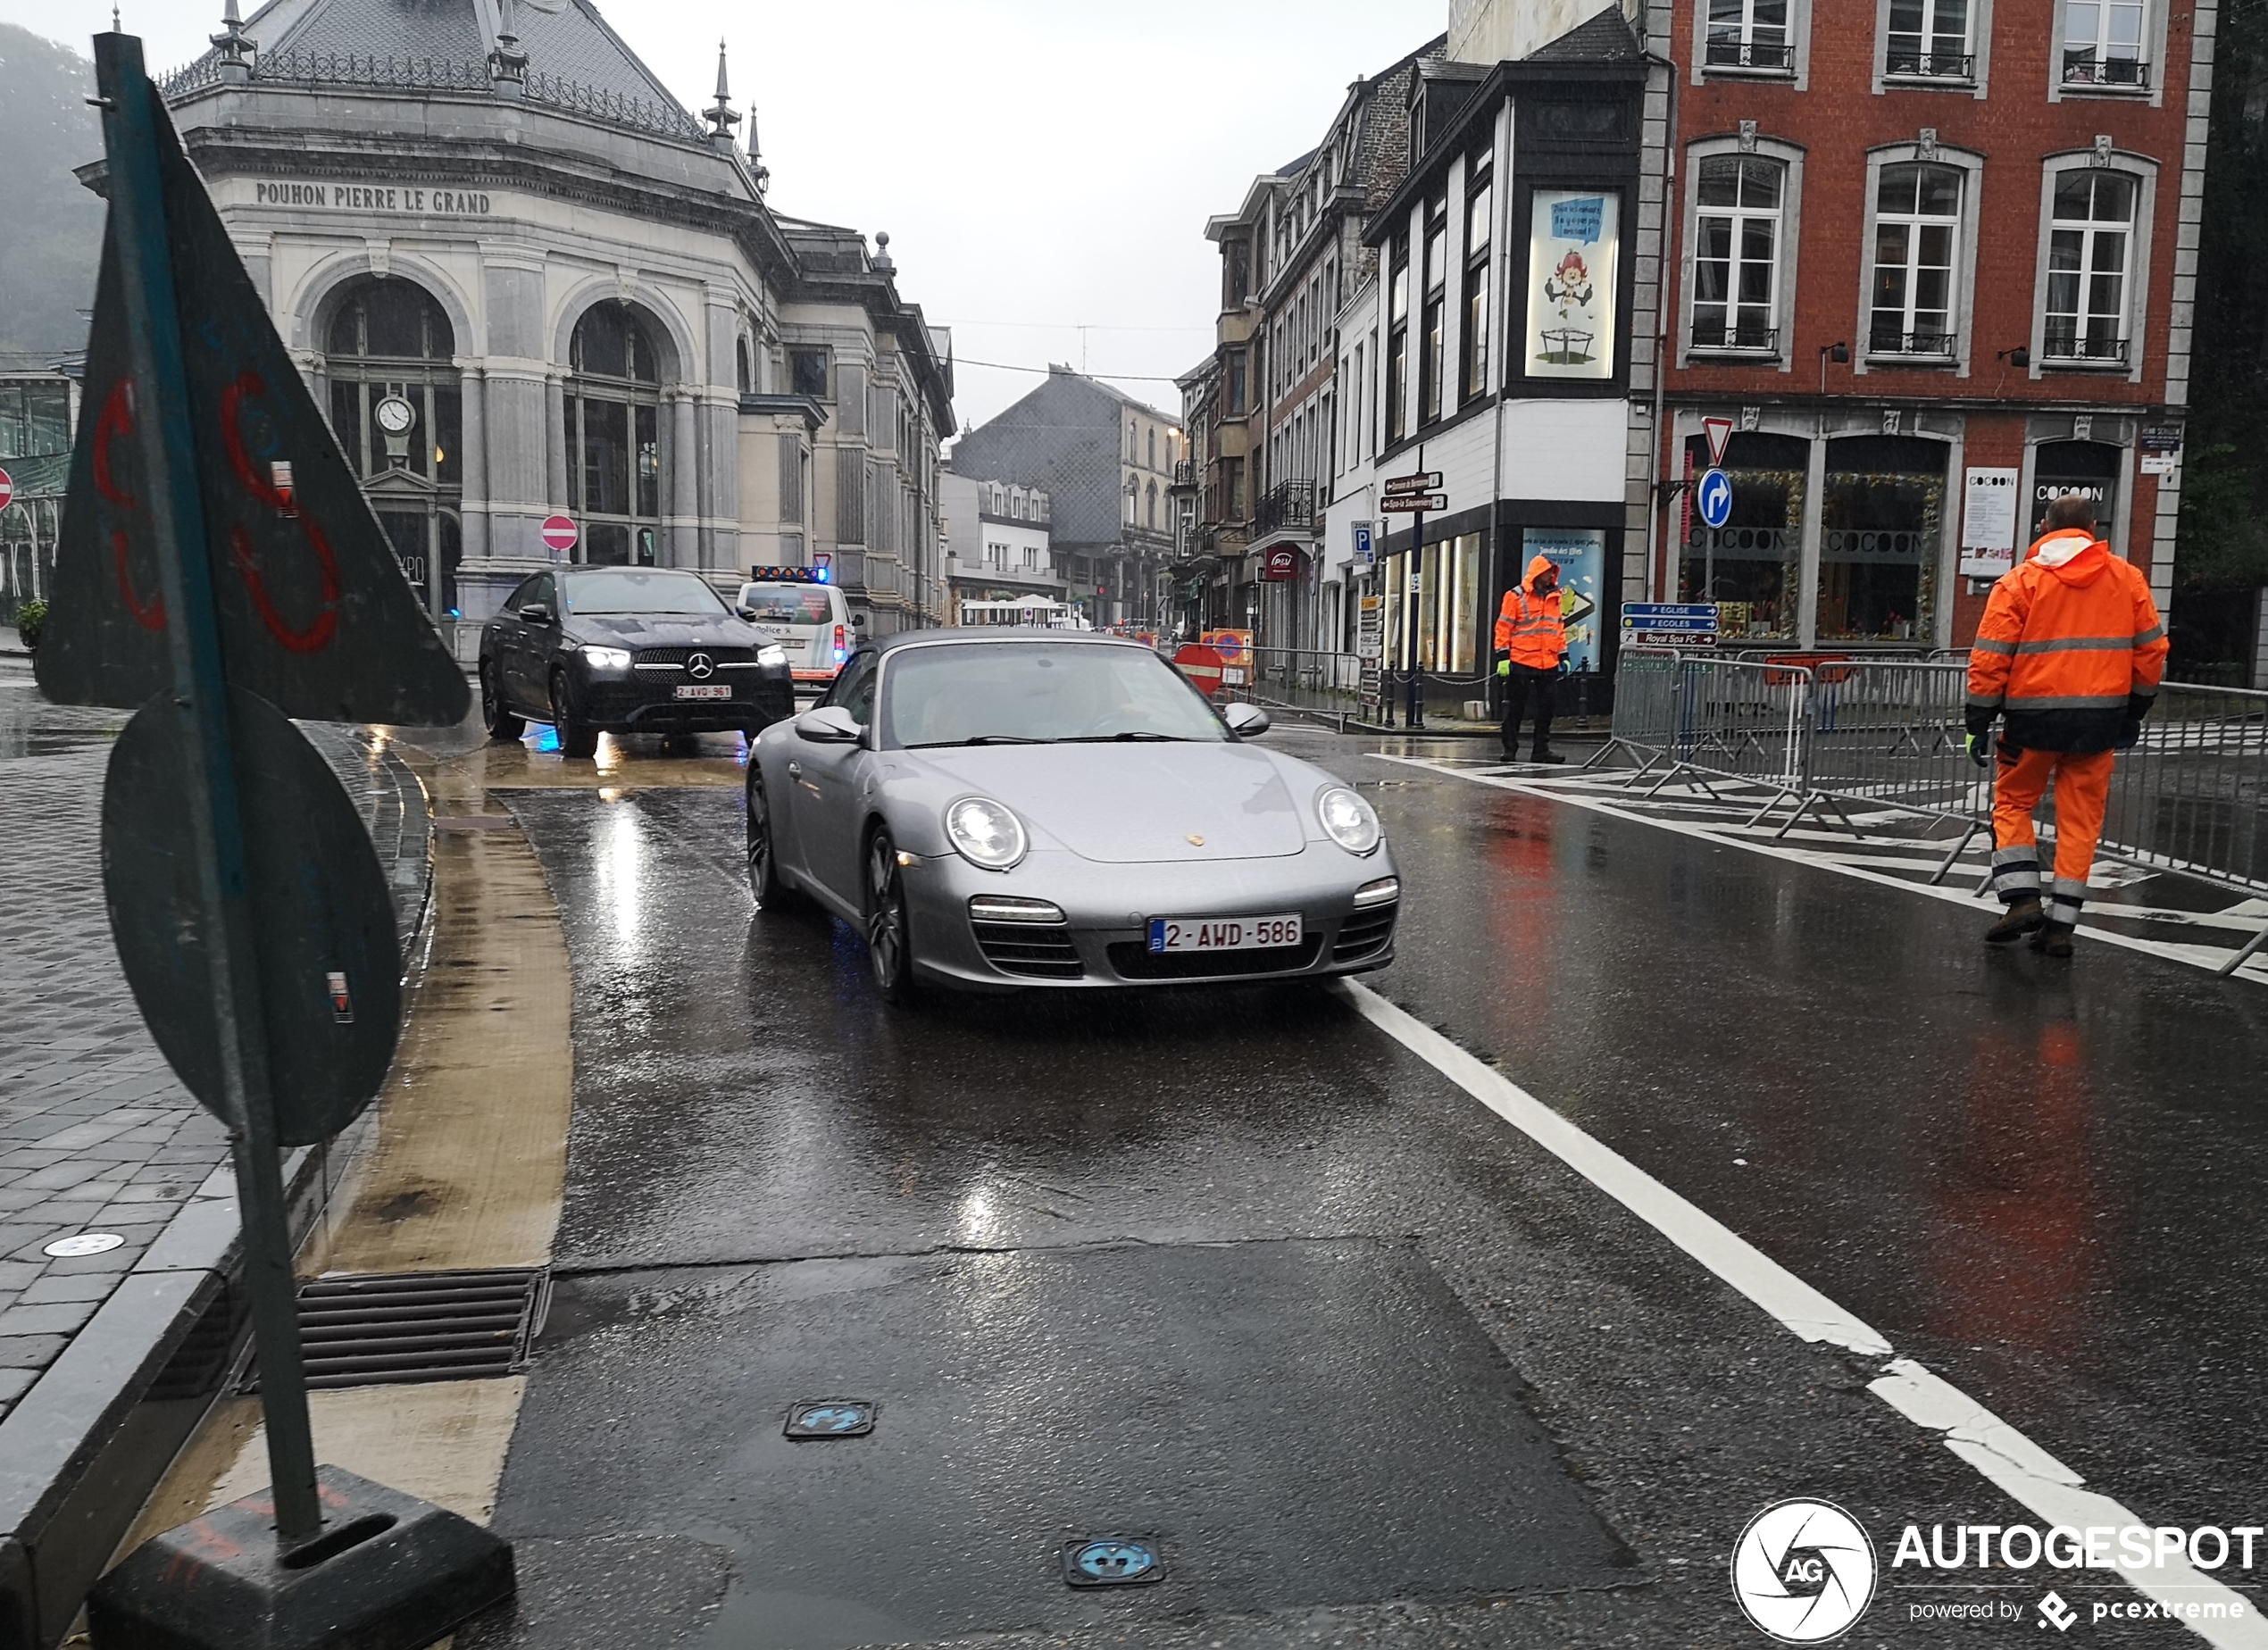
1670,624
7,488
1414,494
1720,432
1713,494
1420,504
1202,665
221,569
559,533
1365,545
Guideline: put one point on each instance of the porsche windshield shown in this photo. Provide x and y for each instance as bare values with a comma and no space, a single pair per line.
620,591
1037,693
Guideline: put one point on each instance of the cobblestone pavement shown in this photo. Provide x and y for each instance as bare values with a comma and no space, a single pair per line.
95,1134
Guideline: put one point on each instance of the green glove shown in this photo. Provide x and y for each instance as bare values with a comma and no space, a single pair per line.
1503,667
1980,748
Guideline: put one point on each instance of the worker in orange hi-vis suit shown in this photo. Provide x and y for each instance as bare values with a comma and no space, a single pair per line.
1531,633
2070,651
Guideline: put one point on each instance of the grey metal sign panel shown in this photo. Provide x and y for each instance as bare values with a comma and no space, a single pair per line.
316,616
330,963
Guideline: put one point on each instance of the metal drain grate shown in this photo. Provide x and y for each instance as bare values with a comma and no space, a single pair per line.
403,1327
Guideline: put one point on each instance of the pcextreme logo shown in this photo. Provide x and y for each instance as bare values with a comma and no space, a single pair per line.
1804,1572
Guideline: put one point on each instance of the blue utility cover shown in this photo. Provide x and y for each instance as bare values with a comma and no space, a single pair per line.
831,1418
1713,494
1113,1561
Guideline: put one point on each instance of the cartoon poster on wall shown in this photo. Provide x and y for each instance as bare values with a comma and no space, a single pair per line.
1579,553
1572,242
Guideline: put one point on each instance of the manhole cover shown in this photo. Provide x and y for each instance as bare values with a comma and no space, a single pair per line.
832,1418
1113,1561
84,1243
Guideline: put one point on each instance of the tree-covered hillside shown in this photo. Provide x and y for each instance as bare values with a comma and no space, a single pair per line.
51,228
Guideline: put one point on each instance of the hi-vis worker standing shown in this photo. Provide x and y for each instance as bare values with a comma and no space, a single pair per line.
2070,651
1530,630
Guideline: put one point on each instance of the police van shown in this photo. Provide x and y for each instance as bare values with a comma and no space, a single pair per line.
800,610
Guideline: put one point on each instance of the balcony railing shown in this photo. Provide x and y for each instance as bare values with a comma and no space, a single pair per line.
1726,52
1930,342
2062,345
1919,63
1185,475
1743,336
2082,67
1287,505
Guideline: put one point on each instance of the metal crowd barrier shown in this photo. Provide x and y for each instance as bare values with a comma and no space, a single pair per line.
2191,797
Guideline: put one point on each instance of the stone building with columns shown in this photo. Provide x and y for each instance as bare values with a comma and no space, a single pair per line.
490,209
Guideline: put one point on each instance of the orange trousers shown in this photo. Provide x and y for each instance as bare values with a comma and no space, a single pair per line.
2082,790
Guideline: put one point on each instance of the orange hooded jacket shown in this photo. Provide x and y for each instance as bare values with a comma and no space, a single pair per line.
2069,646
1529,626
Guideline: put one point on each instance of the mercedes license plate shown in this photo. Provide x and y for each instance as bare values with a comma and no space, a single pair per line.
706,690
1225,933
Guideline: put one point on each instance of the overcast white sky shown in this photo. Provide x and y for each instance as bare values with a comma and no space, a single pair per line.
1039,164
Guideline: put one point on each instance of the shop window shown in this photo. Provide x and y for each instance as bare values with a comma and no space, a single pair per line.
613,408
1750,34
2087,468
1929,39
2091,250
2103,44
1736,265
1752,565
1881,520
1917,223
1449,611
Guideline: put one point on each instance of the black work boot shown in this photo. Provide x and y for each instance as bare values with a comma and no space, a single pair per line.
2052,940
2025,917
1544,752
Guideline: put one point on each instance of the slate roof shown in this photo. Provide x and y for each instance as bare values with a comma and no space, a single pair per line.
575,61
1605,38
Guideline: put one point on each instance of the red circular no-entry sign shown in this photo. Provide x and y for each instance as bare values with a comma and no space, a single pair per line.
1202,665
560,534
7,488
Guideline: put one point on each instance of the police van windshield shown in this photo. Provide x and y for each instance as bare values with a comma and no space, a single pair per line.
788,603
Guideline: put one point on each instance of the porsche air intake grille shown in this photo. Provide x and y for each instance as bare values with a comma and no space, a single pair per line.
1365,933
1041,951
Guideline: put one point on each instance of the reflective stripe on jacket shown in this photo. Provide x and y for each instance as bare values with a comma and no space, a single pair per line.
1528,626
2066,638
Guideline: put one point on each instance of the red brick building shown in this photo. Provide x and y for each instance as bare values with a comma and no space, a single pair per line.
1933,258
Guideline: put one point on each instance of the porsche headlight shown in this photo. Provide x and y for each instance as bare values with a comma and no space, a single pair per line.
607,658
1347,820
985,833
773,654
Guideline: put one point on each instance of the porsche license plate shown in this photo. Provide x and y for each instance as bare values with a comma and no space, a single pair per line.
706,690
1225,933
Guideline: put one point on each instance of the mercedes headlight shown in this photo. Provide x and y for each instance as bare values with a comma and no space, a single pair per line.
773,654
607,658
985,833
1347,820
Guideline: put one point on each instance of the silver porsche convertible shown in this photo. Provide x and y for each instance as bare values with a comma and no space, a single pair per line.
1004,808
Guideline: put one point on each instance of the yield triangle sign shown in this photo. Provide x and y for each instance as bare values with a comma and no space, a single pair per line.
1719,431
315,614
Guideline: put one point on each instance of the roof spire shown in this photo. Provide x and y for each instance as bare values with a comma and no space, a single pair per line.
720,116
507,64
234,47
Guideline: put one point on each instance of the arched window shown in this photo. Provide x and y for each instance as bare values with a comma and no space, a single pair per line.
389,344
747,379
1154,446
1133,499
613,436
1151,504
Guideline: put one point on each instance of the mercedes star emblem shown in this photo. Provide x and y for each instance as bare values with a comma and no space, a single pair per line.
701,667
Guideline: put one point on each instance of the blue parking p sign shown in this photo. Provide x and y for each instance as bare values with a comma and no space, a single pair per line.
1713,494
1365,554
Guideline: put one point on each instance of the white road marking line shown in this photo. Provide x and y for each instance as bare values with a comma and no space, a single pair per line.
2031,1476
2205,958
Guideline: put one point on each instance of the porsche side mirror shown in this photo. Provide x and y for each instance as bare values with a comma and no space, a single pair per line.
829,724
535,613
1244,720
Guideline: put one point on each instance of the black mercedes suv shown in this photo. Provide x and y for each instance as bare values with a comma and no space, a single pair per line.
594,650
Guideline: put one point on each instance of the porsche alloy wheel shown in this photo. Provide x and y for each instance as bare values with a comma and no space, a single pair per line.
889,937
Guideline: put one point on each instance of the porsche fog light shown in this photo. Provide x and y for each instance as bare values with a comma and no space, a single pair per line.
607,658
1347,820
1385,891
773,654
985,833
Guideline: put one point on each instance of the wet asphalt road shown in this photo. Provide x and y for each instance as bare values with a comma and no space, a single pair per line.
1232,1270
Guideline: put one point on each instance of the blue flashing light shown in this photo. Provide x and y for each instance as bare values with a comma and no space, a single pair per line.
819,577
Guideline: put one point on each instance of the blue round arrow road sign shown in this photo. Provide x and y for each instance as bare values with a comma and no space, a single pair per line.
1714,495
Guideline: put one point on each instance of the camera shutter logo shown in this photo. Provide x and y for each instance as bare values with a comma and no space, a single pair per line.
1804,1572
